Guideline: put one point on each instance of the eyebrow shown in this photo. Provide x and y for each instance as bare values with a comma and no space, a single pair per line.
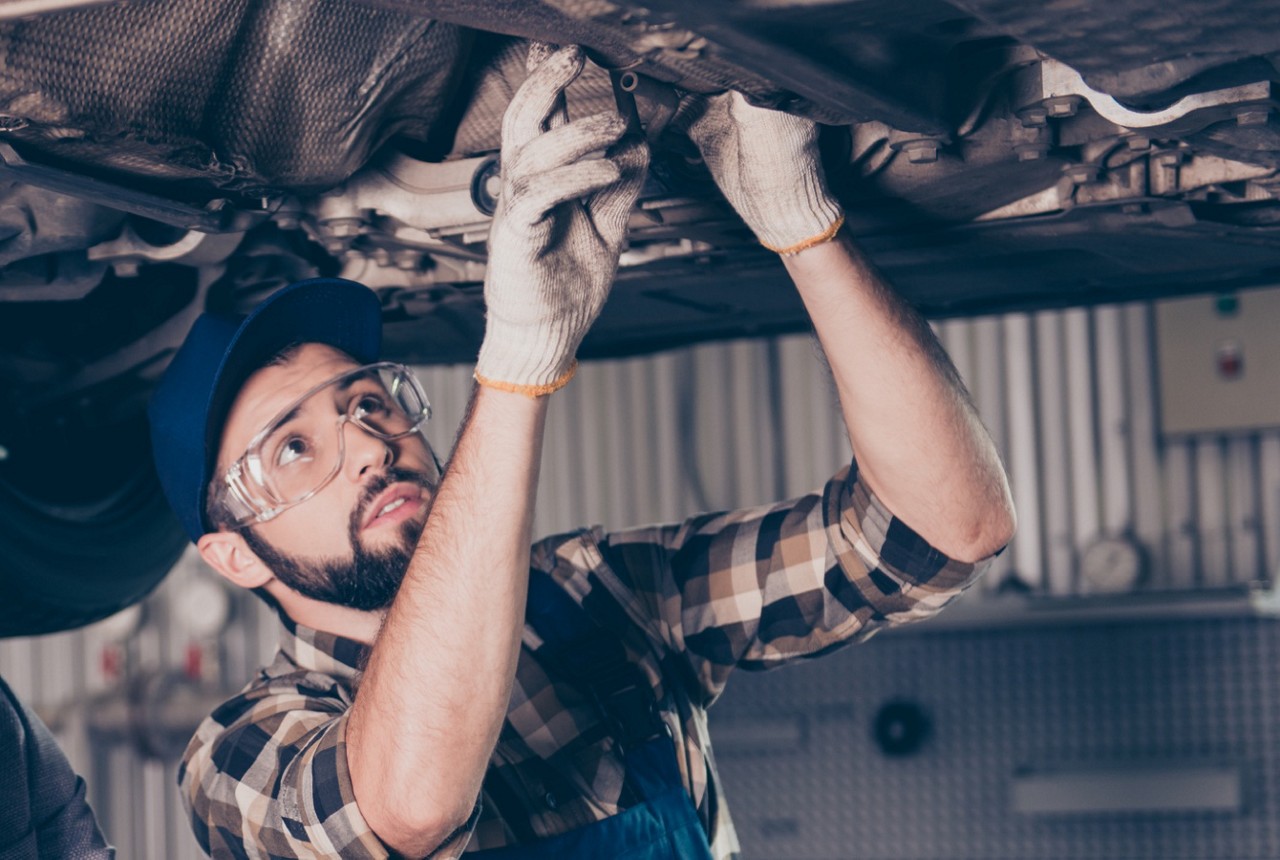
357,377
346,384
288,416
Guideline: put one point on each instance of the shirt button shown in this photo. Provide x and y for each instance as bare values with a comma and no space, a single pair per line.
551,801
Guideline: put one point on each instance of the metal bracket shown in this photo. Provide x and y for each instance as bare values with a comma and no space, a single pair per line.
218,216
193,249
1053,89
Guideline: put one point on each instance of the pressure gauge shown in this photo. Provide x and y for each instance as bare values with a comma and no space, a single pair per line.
1112,565
202,606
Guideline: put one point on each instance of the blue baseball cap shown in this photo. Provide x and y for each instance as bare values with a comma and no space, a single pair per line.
195,393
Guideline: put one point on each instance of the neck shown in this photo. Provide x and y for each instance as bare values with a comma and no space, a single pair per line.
357,624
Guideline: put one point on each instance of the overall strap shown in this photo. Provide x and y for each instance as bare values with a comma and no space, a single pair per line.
660,821
594,661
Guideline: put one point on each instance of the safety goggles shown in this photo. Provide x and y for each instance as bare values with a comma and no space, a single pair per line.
302,449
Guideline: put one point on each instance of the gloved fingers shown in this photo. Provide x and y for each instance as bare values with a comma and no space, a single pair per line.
710,119
539,53
570,182
540,95
631,154
612,204
768,166
697,108
570,143
802,133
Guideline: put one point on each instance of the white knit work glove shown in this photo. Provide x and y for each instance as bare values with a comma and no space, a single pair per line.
567,192
767,165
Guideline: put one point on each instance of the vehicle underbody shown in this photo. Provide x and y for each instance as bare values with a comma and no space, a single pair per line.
161,158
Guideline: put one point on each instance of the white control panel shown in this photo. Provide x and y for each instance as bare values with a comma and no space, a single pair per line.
1219,362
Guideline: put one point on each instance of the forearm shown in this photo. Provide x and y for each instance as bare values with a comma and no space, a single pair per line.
438,681
919,442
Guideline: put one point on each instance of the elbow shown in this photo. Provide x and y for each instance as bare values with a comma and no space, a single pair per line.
1000,529
413,829
408,810
981,534
989,533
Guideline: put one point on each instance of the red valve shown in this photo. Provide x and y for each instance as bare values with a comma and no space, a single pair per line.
193,665
111,661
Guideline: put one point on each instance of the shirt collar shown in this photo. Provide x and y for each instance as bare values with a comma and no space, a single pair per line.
321,651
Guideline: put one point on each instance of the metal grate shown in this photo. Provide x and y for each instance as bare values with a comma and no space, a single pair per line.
1178,695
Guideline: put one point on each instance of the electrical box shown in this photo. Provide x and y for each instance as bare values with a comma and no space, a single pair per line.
1219,362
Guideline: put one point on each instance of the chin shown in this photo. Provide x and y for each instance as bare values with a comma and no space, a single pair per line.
404,535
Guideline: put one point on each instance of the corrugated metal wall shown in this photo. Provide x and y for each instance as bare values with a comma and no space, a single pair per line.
1069,396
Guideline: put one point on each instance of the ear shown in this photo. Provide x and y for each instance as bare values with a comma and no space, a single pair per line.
229,555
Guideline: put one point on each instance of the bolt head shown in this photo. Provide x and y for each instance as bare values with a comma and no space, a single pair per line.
1033,117
1062,107
921,151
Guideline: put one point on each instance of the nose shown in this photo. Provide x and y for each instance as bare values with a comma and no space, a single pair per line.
364,451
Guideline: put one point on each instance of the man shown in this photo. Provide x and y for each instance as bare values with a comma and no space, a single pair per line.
442,686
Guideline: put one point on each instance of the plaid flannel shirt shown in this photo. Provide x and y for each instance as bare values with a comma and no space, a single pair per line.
266,774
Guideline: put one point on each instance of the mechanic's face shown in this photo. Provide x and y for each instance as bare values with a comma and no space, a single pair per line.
351,543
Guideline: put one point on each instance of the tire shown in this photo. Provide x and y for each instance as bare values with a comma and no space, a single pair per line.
64,565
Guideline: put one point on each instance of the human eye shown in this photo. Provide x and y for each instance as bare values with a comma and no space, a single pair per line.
367,404
293,449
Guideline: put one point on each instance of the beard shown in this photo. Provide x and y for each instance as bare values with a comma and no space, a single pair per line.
371,577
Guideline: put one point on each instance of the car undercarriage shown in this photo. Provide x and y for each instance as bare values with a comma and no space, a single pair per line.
161,158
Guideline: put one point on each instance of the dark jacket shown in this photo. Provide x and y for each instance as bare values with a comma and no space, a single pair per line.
43,812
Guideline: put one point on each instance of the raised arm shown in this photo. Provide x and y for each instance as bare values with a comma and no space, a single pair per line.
439,678
917,438
920,444
438,682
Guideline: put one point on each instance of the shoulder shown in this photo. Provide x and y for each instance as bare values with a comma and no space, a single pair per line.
267,719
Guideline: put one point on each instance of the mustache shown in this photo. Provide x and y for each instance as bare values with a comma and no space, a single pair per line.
378,483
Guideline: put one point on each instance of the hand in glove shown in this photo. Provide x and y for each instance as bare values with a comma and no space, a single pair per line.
767,165
558,230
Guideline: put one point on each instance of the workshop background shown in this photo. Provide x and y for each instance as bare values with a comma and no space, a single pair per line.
1112,689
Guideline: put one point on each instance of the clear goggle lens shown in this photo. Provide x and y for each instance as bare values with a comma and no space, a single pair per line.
303,448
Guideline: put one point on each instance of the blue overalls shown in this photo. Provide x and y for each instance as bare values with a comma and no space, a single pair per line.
664,825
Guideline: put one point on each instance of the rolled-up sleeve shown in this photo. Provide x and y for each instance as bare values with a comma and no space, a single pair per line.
269,769
760,587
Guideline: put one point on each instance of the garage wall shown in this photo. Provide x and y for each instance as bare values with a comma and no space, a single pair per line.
1069,396
1147,739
